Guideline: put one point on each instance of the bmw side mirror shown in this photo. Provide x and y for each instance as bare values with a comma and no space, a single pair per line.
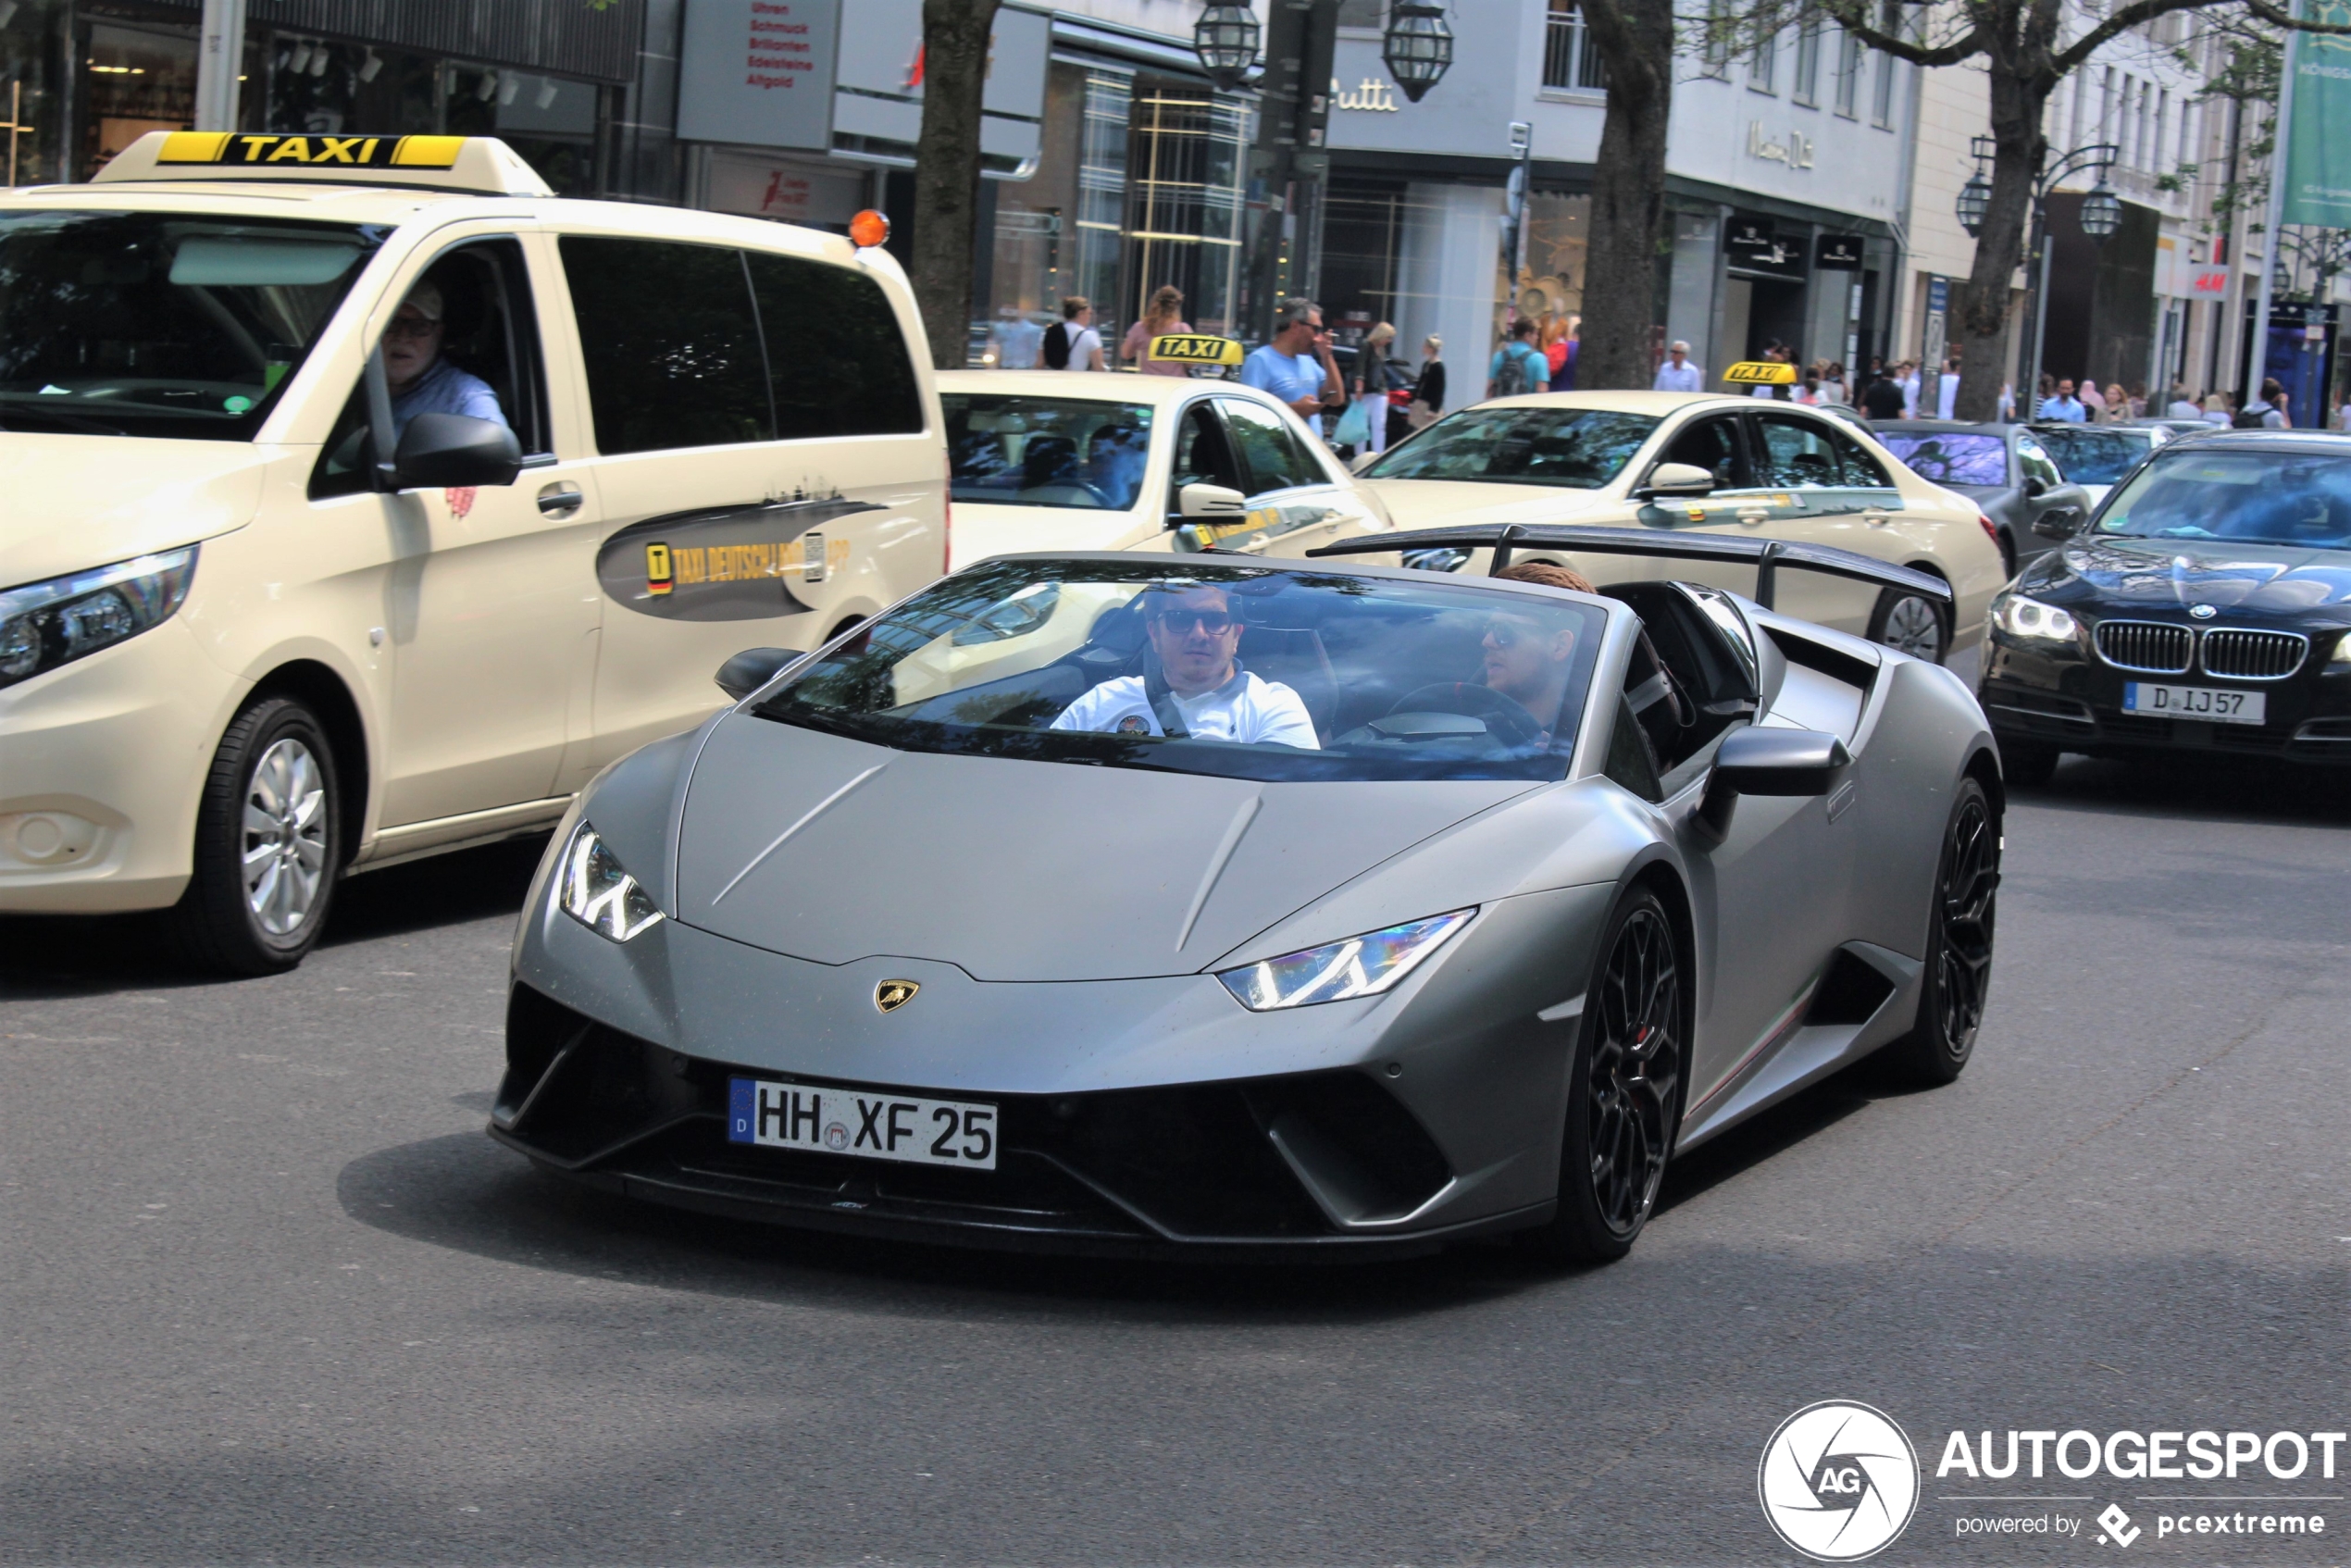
752,668
1756,761
1210,501
1676,479
452,451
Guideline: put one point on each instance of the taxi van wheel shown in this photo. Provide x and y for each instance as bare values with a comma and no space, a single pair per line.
1625,1089
1912,623
268,844
1958,976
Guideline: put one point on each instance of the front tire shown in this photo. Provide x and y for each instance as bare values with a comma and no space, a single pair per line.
1958,977
1624,1088
268,844
1912,623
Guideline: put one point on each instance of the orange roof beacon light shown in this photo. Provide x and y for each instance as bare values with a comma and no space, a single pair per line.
868,229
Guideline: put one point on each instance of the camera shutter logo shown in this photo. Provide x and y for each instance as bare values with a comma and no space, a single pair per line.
1838,1481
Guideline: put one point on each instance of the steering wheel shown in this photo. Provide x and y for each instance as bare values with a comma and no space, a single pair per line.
1505,720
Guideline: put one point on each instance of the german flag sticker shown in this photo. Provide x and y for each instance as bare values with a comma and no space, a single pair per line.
658,581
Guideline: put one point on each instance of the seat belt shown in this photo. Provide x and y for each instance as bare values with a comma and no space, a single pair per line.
1163,701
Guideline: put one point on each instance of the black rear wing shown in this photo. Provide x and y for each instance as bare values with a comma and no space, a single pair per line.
1766,555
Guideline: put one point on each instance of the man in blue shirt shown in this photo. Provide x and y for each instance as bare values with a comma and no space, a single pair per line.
1286,366
2064,406
423,382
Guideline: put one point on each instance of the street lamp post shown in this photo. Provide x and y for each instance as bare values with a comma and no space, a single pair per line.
2101,216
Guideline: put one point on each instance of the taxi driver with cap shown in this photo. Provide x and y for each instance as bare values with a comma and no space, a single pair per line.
421,380
1199,689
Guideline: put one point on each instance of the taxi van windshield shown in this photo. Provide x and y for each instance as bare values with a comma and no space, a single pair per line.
1245,672
1571,448
162,324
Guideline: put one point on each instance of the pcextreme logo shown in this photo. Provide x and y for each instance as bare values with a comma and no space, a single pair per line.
1838,1481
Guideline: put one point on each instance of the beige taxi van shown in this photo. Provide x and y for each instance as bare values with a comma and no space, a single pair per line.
363,499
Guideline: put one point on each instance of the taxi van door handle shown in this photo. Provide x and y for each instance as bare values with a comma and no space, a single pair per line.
560,499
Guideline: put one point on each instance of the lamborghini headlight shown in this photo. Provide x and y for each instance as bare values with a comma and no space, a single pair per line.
44,625
1363,965
594,890
2020,617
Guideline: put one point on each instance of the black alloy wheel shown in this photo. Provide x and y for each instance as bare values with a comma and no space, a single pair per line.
1625,1094
1912,623
268,844
1959,948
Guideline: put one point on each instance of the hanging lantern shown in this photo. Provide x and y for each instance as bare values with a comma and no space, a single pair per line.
1418,46
1226,39
1976,200
2101,214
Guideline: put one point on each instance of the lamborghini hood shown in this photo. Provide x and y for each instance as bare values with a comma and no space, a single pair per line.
834,851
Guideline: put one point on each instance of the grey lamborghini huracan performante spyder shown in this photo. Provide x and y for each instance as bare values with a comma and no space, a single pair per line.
1145,903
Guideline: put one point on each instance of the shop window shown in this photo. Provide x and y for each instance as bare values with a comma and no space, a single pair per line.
32,50
1882,110
1806,88
1762,65
135,80
671,343
837,365
1848,74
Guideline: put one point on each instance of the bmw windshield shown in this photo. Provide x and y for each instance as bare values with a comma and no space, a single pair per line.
2285,498
1570,448
1239,671
162,324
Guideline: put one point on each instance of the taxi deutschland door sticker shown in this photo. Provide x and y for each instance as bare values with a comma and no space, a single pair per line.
721,563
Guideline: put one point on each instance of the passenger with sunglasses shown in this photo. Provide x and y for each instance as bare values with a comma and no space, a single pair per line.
1197,688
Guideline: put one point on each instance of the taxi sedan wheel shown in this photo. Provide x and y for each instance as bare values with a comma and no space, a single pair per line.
1912,623
268,844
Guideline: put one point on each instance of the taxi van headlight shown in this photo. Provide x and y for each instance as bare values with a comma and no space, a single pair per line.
2020,617
1363,965
593,889
44,625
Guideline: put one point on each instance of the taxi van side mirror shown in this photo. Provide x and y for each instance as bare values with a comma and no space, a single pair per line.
1210,501
1675,479
454,449
1755,761
752,668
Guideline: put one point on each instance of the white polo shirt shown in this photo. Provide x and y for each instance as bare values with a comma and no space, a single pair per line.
1244,709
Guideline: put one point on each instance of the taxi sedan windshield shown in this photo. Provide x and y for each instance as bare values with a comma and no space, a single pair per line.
162,324
1243,672
1571,448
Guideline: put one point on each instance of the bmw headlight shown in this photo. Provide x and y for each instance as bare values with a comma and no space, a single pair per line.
1363,965
44,625
2342,659
2020,617
594,890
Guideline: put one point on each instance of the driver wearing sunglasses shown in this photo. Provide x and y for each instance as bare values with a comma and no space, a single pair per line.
1198,689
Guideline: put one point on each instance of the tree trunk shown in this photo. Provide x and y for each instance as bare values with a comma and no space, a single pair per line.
1628,196
955,36
2019,150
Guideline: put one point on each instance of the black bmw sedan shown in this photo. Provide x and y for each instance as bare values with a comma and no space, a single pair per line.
2206,608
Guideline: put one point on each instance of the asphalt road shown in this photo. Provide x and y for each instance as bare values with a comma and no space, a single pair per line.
267,1292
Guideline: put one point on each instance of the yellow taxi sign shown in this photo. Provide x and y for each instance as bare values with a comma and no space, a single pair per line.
448,163
1192,348
1760,373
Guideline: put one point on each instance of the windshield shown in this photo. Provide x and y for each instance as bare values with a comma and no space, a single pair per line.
1571,448
2245,497
2090,456
1046,451
162,324
1950,459
1241,671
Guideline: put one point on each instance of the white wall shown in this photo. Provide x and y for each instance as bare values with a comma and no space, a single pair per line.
1445,280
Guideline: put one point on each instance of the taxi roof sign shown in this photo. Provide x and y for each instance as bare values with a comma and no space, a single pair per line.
482,164
1760,373
1193,348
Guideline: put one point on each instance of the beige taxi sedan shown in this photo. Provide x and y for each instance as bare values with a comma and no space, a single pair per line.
1068,460
1725,464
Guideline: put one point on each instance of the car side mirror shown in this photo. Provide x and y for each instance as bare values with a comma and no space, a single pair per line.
1755,761
752,668
1210,501
2036,486
1359,462
451,451
2062,522
1675,479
